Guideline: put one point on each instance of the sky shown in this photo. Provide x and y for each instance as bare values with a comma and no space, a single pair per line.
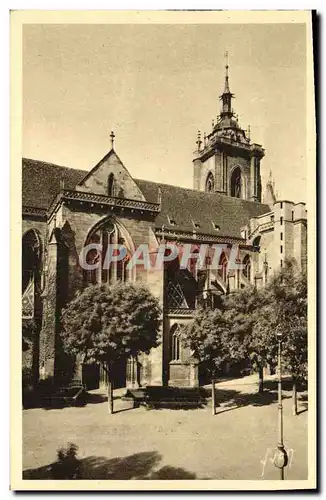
156,86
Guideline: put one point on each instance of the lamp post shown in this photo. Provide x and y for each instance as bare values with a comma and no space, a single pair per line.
280,456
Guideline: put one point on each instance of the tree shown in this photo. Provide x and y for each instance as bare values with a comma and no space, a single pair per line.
255,316
242,310
285,310
206,336
105,323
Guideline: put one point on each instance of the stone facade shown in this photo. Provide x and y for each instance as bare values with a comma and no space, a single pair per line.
73,208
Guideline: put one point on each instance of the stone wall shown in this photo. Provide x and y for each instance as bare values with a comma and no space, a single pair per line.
97,180
222,174
182,372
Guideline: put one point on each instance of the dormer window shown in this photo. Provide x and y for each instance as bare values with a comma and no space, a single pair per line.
172,221
243,234
216,226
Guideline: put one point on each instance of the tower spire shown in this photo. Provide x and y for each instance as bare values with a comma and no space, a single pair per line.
227,96
226,85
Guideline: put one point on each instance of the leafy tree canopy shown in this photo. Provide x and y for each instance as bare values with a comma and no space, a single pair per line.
240,312
104,323
206,336
285,311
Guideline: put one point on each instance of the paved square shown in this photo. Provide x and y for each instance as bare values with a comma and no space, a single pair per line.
236,443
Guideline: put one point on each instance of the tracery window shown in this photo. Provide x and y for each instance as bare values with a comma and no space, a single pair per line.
180,285
108,241
175,343
31,272
223,267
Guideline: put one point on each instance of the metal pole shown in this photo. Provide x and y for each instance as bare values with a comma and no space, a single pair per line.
281,458
280,407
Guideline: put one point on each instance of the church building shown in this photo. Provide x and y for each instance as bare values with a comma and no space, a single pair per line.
65,209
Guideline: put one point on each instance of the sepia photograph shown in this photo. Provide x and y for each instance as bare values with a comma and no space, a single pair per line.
163,197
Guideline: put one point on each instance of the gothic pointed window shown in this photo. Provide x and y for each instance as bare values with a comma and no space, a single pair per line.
108,241
111,185
223,267
209,183
236,183
175,343
247,267
31,272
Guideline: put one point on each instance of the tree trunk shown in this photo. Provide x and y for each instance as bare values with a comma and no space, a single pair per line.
261,380
213,397
110,392
294,397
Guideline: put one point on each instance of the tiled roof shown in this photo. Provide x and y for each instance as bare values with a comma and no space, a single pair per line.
187,207
182,208
41,182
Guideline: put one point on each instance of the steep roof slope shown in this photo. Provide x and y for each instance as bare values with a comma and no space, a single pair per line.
41,182
188,207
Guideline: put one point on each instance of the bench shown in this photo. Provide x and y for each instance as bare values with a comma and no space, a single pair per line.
71,395
167,397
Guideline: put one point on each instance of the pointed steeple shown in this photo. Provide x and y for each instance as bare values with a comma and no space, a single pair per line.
227,96
226,85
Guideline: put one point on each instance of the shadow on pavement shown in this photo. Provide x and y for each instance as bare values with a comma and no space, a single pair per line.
287,384
228,400
136,466
48,402
168,472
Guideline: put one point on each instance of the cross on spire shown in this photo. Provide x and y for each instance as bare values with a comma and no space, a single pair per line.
112,137
226,55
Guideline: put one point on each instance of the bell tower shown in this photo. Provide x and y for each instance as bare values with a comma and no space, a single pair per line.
225,160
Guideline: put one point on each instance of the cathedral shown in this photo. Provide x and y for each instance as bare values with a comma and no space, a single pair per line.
65,209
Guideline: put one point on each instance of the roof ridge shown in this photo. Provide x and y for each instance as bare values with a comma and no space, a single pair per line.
43,162
211,193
